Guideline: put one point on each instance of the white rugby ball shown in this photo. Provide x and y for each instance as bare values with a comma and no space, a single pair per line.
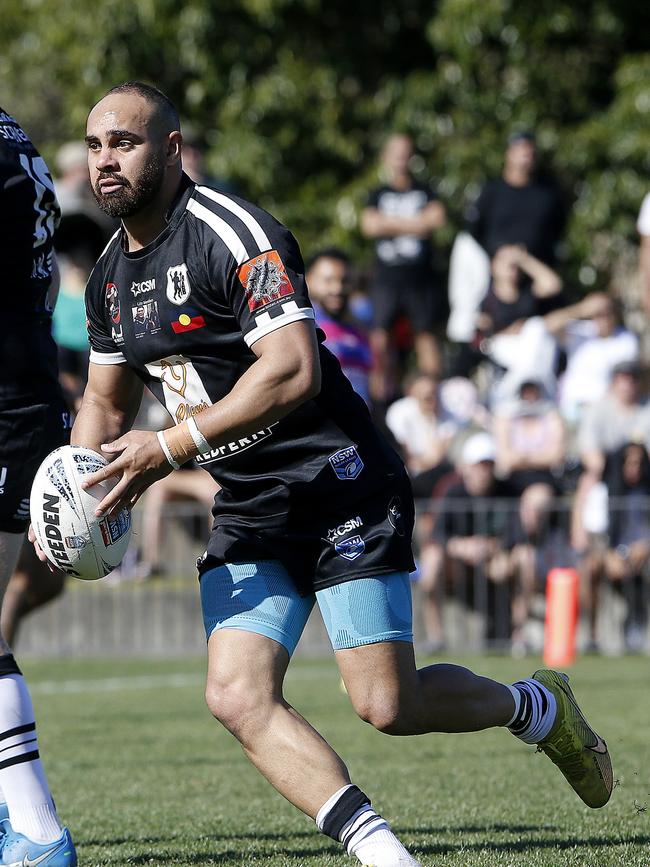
63,516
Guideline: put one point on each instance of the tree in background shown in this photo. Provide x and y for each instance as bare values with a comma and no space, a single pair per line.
295,96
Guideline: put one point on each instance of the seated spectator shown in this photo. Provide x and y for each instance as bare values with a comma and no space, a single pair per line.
625,559
530,444
328,279
620,417
594,344
473,537
522,290
520,282
424,432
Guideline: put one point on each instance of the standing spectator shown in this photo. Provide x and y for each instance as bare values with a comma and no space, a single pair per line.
643,228
424,431
328,281
401,216
519,207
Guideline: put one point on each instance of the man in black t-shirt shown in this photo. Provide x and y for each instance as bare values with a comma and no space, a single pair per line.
401,216
33,421
314,506
519,207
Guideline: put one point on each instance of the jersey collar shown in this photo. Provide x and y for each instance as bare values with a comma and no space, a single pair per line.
174,215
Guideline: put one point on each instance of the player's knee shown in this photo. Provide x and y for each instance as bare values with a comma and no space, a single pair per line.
233,704
382,712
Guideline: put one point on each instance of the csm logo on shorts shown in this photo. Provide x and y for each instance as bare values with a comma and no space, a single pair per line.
350,549
346,463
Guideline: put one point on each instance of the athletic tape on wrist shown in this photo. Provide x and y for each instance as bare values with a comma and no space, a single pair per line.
199,440
180,443
163,445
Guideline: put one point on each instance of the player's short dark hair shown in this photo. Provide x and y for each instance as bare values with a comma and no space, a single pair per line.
165,106
327,253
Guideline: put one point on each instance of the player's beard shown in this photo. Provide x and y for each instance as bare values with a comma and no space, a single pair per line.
132,197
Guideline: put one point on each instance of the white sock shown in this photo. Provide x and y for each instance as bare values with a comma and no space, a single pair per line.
22,777
535,710
365,833
377,845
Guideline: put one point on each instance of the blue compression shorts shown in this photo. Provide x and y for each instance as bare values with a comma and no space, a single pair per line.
261,597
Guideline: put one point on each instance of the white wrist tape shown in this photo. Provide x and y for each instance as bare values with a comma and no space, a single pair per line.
199,440
163,445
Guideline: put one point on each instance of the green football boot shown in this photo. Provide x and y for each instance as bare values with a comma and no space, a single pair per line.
574,746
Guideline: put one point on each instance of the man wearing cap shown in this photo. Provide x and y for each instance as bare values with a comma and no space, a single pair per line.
520,207
470,536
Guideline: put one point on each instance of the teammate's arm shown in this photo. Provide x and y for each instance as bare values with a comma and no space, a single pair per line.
286,374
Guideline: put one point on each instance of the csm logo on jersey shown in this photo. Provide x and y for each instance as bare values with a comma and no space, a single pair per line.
342,529
178,284
346,463
144,286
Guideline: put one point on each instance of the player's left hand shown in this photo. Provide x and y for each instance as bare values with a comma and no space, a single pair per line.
139,461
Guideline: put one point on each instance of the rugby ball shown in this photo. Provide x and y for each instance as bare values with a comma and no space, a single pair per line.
63,516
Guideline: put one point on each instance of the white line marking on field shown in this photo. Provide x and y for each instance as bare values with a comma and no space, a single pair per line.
151,681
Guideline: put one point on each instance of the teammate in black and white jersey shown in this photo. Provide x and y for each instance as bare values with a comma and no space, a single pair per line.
33,421
314,506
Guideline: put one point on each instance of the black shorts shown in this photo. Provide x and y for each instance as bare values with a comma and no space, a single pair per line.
27,435
419,303
320,546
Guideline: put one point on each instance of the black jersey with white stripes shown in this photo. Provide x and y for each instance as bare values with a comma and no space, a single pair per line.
184,314
30,215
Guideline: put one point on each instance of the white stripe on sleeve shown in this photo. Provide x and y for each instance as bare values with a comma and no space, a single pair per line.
106,357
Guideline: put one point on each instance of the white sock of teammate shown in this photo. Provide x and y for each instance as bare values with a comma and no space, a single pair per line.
22,778
348,817
535,710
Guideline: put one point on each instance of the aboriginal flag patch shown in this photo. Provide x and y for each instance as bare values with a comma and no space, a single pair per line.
265,280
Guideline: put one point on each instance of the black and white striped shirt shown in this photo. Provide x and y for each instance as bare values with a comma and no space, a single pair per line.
30,214
185,311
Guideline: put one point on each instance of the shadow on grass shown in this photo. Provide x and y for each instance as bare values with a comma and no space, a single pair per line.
166,855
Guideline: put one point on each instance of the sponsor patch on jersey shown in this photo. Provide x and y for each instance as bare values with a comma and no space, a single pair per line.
395,518
346,527
3,478
188,320
265,280
346,463
143,287
350,549
113,303
178,284
145,319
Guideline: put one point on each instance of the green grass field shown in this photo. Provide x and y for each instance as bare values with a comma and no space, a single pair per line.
143,775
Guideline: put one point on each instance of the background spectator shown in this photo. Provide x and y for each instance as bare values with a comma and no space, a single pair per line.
643,228
625,558
328,278
620,417
424,432
401,216
471,538
520,207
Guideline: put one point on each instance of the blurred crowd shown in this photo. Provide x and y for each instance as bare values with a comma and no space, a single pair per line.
519,403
